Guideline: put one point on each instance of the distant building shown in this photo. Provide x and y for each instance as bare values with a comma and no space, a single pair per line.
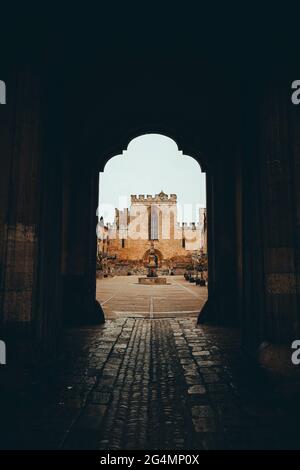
102,236
126,242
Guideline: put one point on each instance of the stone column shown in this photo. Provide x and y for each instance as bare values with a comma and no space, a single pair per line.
79,246
221,305
20,153
271,180
30,211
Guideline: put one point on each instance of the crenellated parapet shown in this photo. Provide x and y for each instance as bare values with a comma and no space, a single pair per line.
188,226
159,198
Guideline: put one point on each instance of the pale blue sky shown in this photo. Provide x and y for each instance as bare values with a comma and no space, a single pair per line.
151,163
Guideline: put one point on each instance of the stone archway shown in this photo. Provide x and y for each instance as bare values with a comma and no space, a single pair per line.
165,249
159,258
244,240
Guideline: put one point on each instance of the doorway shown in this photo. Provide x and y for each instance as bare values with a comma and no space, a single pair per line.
152,199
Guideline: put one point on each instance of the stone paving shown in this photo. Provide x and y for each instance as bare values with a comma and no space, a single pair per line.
146,383
122,296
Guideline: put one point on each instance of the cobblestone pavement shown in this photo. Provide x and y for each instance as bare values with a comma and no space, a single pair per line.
140,383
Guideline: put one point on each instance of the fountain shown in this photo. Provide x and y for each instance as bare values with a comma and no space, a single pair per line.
152,277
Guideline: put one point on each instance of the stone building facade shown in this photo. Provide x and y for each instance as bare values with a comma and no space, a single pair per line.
124,245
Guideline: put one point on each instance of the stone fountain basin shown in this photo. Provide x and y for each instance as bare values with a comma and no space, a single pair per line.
152,280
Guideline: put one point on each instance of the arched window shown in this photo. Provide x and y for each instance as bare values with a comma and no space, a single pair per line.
154,223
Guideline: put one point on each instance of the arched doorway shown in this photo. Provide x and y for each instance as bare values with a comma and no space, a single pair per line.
158,255
166,204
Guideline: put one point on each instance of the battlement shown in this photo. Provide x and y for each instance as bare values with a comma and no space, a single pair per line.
158,198
121,212
188,226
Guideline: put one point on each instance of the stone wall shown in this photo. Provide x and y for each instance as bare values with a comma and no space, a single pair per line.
20,153
271,229
136,249
30,210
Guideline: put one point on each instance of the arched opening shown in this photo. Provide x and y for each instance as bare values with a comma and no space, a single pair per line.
152,209
159,258
136,383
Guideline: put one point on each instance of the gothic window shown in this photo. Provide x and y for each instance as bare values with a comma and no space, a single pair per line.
154,223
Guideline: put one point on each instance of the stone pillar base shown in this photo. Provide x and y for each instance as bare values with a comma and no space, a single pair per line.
276,362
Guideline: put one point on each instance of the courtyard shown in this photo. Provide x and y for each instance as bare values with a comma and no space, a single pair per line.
123,297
